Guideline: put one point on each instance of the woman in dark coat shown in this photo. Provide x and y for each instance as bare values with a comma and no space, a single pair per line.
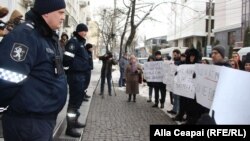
132,72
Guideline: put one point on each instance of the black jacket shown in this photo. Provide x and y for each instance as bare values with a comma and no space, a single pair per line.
76,56
32,79
107,65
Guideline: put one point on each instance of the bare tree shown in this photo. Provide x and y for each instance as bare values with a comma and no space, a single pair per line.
124,30
146,9
106,25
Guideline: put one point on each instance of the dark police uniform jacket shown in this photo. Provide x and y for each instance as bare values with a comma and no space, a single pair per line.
76,57
32,80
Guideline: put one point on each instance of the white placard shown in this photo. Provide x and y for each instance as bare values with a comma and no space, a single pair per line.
231,101
184,82
169,77
153,71
206,80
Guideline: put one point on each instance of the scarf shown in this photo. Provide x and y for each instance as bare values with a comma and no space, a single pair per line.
133,67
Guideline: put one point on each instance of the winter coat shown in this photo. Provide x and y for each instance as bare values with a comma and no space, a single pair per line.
132,79
76,56
123,63
32,81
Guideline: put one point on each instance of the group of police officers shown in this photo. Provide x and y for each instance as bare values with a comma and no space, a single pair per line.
33,84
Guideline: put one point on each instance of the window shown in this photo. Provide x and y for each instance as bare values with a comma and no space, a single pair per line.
231,37
154,41
207,9
212,25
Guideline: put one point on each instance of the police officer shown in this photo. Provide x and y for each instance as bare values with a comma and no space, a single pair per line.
32,81
89,48
77,59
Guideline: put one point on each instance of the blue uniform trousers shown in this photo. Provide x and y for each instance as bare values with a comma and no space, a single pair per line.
27,128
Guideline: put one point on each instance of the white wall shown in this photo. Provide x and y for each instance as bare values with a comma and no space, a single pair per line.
227,14
188,22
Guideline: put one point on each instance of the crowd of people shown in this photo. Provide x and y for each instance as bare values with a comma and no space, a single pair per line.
184,109
35,69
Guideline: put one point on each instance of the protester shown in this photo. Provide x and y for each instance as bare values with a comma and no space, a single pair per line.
76,58
176,98
123,64
205,61
33,83
106,71
64,40
150,84
132,72
183,58
234,64
236,57
247,63
218,55
159,86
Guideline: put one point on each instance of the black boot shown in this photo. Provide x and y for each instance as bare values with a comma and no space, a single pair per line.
78,124
155,105
85,94
71,130
134,97
162,105
129,97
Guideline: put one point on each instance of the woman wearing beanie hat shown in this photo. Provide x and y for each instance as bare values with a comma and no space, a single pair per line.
38,94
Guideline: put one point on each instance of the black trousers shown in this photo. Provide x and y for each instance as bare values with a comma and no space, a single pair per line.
77,85
163,94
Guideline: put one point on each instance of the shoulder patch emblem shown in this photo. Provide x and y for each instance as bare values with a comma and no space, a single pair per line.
19,52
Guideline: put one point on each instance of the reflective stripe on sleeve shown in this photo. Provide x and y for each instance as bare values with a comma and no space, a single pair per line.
11,76
2,109
71,115
69,54
65,68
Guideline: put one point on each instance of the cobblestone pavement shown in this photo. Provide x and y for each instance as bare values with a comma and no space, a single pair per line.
115,119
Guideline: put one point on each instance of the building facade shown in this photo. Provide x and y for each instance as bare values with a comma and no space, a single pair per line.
189,24
228,17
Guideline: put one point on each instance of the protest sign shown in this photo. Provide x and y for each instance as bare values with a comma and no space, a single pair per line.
205,83
231,101
184,82
169,76
153,71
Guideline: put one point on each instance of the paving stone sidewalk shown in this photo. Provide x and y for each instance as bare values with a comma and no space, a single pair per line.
115,119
